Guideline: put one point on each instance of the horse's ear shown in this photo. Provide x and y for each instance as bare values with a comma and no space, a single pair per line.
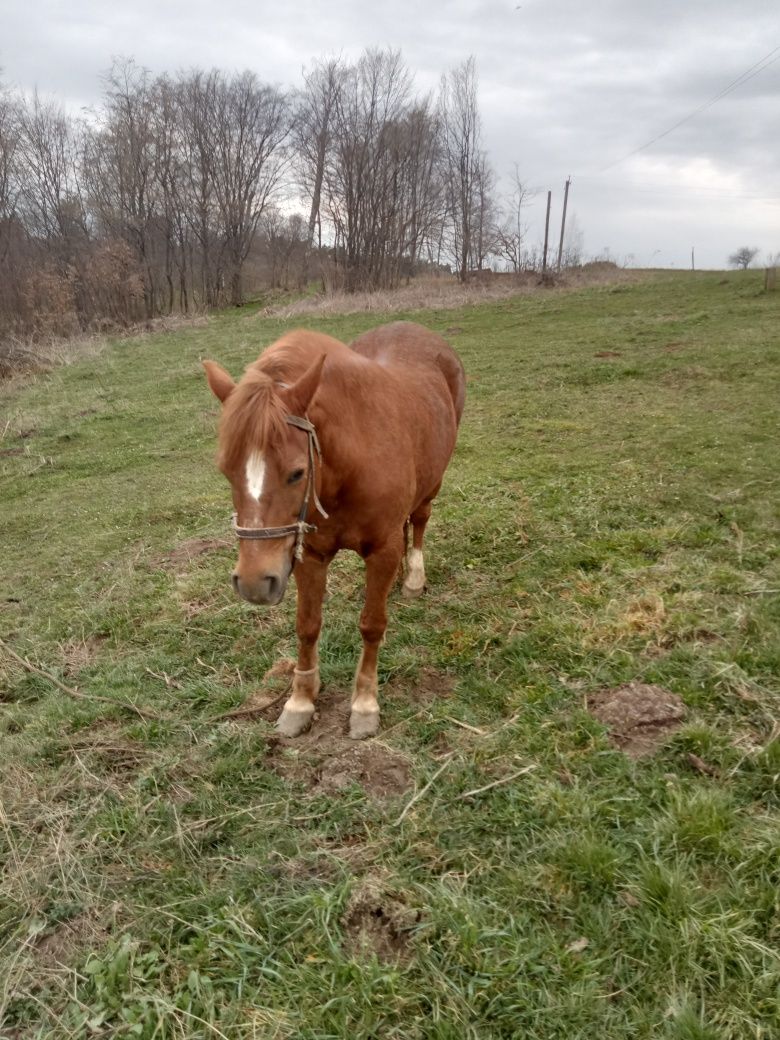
298,397
220,381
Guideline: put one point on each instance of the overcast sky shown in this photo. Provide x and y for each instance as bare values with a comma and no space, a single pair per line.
566,87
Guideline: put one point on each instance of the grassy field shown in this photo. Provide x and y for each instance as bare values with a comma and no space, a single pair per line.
168,872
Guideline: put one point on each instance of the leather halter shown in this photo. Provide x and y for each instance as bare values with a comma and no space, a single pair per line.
300,528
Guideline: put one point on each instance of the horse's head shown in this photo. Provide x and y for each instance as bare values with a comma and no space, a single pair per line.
267,461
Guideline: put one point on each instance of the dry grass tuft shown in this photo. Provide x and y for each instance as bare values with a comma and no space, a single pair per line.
21,357
444,293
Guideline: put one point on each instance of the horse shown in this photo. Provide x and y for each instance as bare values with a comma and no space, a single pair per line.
330,447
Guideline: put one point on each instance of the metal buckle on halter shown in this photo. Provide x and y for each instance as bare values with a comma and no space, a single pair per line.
300,528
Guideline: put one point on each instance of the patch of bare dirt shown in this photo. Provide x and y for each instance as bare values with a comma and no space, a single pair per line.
431,684
377,923
68,940
381,772
608,353
324,758
639,716
190,549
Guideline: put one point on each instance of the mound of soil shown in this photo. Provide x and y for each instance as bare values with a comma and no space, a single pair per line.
380,772
640,717
192,548
377,923
326,760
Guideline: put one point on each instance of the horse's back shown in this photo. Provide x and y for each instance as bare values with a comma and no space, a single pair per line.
404,346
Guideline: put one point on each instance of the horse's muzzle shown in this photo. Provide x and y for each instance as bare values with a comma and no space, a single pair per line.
266,589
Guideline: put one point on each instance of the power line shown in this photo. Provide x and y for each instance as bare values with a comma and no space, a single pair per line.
672,188
748,74
671,192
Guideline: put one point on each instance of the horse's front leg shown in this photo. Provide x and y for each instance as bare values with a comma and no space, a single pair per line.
381,569
310,578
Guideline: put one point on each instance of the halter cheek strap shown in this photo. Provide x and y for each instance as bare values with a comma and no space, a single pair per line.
300,528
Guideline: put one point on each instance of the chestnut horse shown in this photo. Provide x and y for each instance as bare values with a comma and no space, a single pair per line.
330,447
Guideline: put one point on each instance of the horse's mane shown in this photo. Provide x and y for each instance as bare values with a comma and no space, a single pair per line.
254,415
253,418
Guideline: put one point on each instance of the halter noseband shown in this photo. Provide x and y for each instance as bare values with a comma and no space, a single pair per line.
300,528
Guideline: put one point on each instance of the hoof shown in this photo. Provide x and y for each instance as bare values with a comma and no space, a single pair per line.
363,724
412,591
293,723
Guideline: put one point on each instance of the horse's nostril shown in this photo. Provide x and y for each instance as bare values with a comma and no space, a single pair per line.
273,586
235,582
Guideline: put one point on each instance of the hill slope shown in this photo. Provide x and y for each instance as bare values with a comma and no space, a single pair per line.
610,518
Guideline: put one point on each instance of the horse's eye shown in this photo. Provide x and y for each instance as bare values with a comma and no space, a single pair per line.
295,476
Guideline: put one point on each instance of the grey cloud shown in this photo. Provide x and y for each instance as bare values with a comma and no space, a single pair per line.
566,87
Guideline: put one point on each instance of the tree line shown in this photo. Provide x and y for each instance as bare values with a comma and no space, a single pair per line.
179,190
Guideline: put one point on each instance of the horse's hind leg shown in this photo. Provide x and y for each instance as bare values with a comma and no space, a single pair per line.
414,583
381,569
310,577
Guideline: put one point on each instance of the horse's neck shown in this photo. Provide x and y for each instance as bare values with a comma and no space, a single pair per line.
345,431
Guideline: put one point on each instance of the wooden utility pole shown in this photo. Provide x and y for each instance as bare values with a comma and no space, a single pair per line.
563,221
693,261
546,235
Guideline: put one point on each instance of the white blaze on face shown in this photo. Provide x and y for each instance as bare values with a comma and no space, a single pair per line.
255,475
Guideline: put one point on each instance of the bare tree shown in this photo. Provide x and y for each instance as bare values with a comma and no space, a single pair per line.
119,168
9,186
198,190
484,237
423,195
381,191
512,231
312,136
362,166
283,243
743,257
170,220
164,197
462,157
249,126
49,191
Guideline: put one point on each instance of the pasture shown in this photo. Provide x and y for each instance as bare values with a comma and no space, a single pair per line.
493,865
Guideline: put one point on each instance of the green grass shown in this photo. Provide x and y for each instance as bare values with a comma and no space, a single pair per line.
604,520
